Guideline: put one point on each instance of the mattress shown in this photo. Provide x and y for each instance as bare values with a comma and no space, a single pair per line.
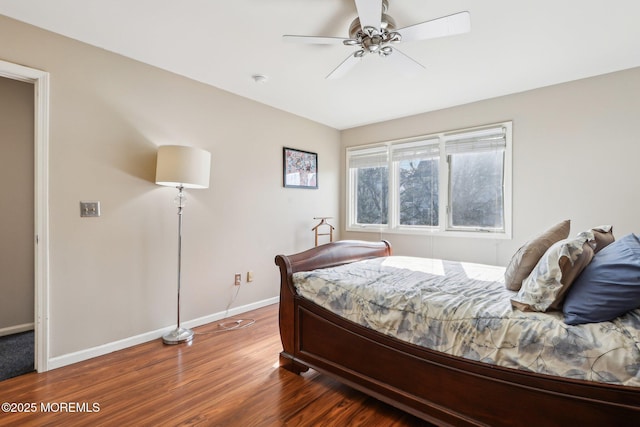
464,309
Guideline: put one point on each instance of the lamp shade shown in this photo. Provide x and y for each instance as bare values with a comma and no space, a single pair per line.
181,166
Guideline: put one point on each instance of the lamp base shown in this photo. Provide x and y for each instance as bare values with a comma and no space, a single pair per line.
178,336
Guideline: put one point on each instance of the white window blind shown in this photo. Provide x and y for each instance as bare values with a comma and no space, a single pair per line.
415,150
482,140
372,157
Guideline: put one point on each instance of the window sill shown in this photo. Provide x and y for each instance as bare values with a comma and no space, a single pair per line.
431,232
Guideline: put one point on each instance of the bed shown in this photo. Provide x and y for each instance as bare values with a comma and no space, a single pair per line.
434,385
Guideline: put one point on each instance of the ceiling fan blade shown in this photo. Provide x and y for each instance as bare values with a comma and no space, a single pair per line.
313,39
345,66
405,64
457,23
370,13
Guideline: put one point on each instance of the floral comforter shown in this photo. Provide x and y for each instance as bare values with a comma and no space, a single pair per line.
464,309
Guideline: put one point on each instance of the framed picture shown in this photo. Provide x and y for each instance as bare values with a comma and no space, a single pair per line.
300,168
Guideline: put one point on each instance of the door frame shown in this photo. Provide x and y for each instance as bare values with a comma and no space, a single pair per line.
40,81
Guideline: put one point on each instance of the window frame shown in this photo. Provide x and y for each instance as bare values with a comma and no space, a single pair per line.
352,183
444,226
394,182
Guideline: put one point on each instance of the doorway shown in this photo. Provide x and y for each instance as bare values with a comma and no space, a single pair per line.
17,284
39,81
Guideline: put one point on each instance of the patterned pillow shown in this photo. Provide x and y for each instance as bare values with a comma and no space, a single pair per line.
526,258
545,288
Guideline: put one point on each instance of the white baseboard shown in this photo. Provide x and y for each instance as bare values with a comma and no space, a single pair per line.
16,329
79,356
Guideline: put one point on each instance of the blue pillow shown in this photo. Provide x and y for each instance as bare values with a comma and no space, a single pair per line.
608,287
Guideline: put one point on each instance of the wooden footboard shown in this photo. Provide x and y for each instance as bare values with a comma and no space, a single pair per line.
324,256
439,388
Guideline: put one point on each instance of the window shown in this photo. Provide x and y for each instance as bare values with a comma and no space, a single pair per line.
416,170
452,183
476,179
370,186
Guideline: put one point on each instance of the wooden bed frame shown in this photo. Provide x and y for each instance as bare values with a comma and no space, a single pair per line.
434,386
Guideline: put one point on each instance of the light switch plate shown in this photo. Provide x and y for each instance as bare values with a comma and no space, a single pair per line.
89,209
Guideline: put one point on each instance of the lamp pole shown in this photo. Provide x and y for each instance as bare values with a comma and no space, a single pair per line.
179,334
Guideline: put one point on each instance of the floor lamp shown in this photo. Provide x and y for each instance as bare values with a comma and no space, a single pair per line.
181,167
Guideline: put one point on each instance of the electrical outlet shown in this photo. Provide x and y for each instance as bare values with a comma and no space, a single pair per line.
238,279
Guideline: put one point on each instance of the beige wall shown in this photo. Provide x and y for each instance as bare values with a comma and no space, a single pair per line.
575,156
114,277
16,213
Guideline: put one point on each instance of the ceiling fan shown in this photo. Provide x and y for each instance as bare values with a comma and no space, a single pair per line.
373,31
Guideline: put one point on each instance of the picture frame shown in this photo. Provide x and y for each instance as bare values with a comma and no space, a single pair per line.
299,168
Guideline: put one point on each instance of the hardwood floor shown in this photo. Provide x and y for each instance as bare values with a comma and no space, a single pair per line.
228,378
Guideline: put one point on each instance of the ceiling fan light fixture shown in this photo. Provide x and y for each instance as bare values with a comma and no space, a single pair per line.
385,51
370,31
387,24
372,44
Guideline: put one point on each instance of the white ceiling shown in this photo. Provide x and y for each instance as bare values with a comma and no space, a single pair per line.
513,46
